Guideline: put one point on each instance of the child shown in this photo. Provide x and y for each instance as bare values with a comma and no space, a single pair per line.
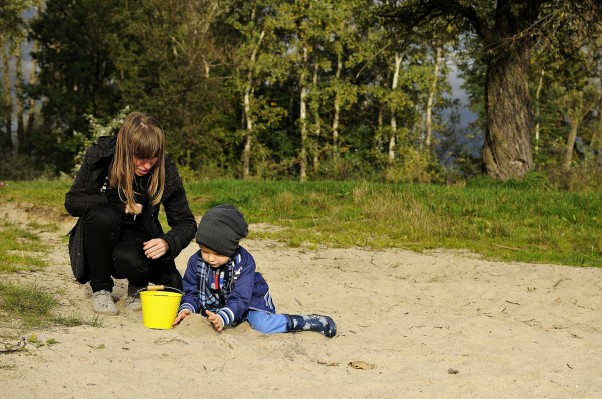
221,282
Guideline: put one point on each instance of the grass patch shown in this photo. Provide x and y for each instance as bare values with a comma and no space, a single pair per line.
512,221
26,307
74,320
30,305
20,249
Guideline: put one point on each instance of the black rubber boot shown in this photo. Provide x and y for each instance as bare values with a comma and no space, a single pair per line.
311,322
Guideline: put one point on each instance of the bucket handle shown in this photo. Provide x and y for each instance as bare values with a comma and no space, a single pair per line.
158,288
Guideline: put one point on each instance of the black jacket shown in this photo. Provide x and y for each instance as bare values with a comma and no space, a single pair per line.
85,193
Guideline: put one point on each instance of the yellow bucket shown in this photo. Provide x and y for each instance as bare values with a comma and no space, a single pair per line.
159,308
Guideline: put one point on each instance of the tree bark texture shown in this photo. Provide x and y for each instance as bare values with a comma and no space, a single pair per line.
538,109
20,98
303,118
7,143
431,100
570,147
392,138
337,109
507,150
31,109
316,131
246,154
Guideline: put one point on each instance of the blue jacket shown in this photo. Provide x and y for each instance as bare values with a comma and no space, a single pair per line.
230,290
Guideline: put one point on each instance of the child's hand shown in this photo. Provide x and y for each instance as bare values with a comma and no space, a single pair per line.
180,317
218,323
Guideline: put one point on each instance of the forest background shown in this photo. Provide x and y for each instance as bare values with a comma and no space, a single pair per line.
342,90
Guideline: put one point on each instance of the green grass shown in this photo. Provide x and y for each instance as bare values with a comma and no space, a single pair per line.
24,306
31,305
20,249
512,221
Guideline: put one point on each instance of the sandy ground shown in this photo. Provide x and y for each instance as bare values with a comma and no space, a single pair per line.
434,325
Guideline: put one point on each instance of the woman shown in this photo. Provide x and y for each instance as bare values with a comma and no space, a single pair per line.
117,194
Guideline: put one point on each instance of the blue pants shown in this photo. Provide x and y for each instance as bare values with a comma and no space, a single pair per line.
267,323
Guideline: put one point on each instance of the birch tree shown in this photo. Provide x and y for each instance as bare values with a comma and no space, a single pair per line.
305,22
14,30
257,60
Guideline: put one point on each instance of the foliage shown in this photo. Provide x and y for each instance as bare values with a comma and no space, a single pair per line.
97,129
230,81
24,167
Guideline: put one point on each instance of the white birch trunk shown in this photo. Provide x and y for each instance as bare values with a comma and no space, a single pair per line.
246,155
394,84
316,117
431,100
303,118
538,110
337,109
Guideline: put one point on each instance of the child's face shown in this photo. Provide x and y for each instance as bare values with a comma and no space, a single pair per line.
212,258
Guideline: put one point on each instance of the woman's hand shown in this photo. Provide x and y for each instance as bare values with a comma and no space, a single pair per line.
136,211
155,248
216,321
180,317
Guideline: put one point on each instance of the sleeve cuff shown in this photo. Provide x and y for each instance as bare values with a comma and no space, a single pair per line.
186,306
226,315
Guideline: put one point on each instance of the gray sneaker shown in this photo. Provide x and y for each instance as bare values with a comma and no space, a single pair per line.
133,300
102,303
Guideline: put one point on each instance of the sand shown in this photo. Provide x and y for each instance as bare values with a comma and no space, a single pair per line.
418,325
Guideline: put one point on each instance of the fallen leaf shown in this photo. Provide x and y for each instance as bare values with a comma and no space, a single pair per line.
359,364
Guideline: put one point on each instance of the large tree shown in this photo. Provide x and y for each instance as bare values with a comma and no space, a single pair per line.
508,31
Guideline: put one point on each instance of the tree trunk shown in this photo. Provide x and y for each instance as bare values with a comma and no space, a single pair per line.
430,100
246,153
507,150
337,110
575,112
316,121
392,138
597,142
20,106
570,146
538,109
303,118
31,109
8,104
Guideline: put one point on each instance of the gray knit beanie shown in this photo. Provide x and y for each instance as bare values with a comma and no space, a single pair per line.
221,228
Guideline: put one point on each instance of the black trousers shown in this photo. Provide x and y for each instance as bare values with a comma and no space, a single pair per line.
113,244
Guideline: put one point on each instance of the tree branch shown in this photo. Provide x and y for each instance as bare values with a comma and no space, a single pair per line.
414,13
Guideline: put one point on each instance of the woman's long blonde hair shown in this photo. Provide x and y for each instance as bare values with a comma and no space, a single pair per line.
140,136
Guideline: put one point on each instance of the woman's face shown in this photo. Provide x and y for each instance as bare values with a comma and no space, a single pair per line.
143,166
